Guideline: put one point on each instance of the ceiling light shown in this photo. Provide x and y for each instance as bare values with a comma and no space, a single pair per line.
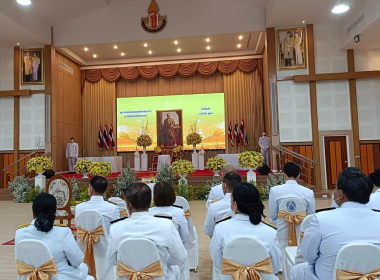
115,47
122,54
303,21
94,55
240,37
85,49
340,7
178,50
176,42
24,2
150,52
208,40
18,44
208,47
145,45
239,45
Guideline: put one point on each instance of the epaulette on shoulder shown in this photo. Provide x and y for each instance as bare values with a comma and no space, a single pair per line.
216,200
165,217
223,219
269,224
23,226
118,220
112,202
325,209
376,210
60,225
177,206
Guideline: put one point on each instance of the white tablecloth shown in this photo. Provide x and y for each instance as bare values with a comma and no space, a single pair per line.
163,159
116,162
232,159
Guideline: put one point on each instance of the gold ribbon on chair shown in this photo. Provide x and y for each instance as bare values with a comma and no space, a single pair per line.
188,213
123,213
41,273
240,272
153,270
292,220
354,275
90,237
301,236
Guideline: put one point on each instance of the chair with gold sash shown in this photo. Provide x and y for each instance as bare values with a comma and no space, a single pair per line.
92,240
139,256
191,245
293,253
121,205
246,258
357,261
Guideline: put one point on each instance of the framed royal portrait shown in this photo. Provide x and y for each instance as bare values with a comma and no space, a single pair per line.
292,48
169,128
32,66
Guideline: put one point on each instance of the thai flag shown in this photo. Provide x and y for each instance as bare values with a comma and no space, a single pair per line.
100,137
236,133
230,134
111,140
105,138
243,133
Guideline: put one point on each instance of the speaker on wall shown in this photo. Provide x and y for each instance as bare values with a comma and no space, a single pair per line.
274,108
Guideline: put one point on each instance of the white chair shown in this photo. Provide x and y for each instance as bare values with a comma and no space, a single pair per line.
90,220
191,245
358,257
240,250
167,216
293,253
121,205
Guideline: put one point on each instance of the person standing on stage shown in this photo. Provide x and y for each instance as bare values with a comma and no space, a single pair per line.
72,151
264,143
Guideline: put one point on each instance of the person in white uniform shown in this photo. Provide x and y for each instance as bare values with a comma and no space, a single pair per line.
219,207
96,189
290,189
72,152
217,191
164,198
330,230
245,202
67,255
374,199
161,232
264,143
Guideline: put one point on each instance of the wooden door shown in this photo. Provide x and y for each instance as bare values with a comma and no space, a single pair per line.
336,158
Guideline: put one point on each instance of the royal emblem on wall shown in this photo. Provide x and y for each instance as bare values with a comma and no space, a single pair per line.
154,22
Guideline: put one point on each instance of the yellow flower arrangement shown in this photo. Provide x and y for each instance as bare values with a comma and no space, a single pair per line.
177,149
100,169
39,164
182,167
157,150
193,138
250,159
83,166
215,163
144,140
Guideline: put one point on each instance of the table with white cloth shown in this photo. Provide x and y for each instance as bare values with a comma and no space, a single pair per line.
232,159
163,159
116,162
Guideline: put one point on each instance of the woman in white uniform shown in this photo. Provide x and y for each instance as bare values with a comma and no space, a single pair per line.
247,205
67,255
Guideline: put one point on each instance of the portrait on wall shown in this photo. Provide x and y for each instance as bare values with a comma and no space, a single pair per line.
169,128
32,66
291,48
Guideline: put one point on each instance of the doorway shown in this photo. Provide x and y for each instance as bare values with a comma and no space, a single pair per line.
336,158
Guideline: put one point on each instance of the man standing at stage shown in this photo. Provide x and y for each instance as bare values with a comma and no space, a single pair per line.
264,143
72,151
169,131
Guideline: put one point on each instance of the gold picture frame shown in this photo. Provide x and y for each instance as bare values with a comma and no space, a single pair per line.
32,66
161,134
291,48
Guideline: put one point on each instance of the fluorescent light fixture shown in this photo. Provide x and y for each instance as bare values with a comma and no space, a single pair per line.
340,7
24,2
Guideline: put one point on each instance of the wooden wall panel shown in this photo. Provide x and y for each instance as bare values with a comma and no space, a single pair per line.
370,157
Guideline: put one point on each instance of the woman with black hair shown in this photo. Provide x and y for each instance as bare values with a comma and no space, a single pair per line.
67,255
247,222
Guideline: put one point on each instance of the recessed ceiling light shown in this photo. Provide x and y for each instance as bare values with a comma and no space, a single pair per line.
178,50
85,49
18,44
303,21
122,54
24,2
115,47
239,45
94,55
340,7
208,40
150,52
208,47
145,45
176,42
240,37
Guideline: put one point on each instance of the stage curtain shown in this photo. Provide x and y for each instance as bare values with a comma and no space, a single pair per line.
99,101
243,95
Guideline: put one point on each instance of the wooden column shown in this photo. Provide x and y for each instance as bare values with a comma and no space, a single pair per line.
354,107
313,105
16,125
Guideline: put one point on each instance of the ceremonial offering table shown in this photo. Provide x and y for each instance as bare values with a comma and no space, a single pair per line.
116,162
232,159
163,159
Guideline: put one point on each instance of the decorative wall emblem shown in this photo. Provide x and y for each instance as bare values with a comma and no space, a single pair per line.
154,22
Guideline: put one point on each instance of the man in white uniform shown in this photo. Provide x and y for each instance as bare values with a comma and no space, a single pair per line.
264,143
290,189
330,230
219,207
72,151
96,189
374,199
217,191
161,232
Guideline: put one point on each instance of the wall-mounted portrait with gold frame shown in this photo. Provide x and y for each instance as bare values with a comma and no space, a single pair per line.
292,48
32,66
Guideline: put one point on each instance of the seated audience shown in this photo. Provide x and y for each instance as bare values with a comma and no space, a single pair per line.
161,232
68,257
96,189
374,199
290,189
245,202
164,198
217,191
330,230
219,207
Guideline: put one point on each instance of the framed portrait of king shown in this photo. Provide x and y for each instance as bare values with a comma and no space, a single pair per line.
169,128
32,66
292,48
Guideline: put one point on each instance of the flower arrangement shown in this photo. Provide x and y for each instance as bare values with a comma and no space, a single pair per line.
164,174
193,137
182,167
39,164
20,187
157,149
177,149
250,159
144,140
215,163
126,178
100,169
83,166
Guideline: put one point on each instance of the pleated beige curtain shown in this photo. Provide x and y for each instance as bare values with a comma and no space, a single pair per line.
244,99
99,102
